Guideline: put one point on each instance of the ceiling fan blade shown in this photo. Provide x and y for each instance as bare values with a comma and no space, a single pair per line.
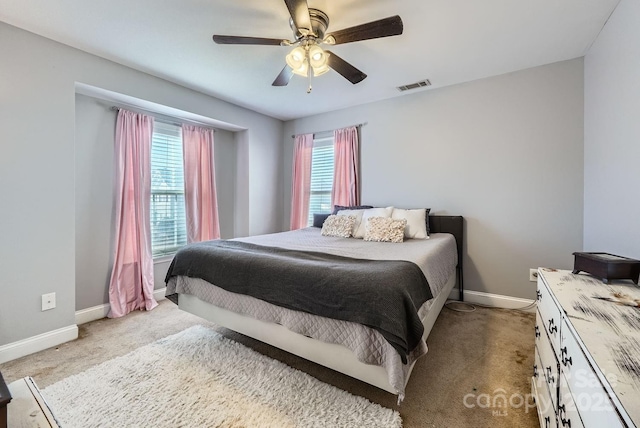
241,40
299,11
284,77
386,27
347,70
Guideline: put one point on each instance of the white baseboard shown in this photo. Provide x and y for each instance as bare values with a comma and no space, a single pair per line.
93,313
159,293
49,339
493,300
37,343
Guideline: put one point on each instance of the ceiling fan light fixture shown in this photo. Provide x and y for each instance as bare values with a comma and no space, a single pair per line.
317,57
302,70
309,27
319,71
296,58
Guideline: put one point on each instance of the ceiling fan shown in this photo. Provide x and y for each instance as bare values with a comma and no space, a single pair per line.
309,29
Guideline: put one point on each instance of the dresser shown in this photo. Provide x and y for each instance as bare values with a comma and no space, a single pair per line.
5,399
27,407
587,355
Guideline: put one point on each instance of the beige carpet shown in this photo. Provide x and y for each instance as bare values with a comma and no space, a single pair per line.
472,358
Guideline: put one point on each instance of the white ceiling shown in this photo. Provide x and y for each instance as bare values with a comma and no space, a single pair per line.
446,41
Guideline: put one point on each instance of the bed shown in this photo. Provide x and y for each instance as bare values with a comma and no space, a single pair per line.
360,351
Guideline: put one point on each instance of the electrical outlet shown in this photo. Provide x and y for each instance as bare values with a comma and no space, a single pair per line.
533,275
48,301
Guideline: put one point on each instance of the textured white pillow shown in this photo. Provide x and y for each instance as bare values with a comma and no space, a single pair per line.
385,229
357,214
368,213
340,226
416,222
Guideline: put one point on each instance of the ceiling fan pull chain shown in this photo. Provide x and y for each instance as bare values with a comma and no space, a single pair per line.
309,75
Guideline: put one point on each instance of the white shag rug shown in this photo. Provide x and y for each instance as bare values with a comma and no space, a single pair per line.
198,378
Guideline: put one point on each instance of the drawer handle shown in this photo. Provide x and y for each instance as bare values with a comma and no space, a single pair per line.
561,410
535,370
565,360
550,378
537,331
547,421
562,413
552,328
539,294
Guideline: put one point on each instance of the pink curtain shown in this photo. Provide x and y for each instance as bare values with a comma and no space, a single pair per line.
301,180
201,202
346,186
131,285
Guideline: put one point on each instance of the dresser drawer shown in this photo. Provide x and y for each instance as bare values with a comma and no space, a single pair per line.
539,383
538,377
568,415
549,364
591,399
546,413
550,314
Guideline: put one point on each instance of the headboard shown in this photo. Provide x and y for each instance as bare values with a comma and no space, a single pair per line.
453,224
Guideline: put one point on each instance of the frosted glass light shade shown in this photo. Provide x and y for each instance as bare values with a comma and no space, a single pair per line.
297,60
317,57
303,70
319,71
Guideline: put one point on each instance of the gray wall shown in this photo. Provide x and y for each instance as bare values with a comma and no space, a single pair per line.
504,152
612,136
37,169
95,134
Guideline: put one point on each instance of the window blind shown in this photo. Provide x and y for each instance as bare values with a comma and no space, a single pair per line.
168,219
321,177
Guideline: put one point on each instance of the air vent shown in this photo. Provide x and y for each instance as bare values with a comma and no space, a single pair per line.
416,85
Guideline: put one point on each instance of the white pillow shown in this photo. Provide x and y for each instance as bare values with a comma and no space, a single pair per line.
361,230
416,222
357,214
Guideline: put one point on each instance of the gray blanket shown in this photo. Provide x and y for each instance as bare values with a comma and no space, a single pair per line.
383,295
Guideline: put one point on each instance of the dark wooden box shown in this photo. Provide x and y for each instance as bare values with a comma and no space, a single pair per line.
607,266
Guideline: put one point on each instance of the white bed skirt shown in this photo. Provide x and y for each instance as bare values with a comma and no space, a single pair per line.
333,356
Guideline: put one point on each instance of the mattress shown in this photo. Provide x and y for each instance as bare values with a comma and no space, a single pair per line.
436,257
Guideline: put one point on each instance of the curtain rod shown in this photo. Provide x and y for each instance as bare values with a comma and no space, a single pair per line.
163,117
359,125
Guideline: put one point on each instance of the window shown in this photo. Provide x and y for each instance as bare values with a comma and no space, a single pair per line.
168,220
321,177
